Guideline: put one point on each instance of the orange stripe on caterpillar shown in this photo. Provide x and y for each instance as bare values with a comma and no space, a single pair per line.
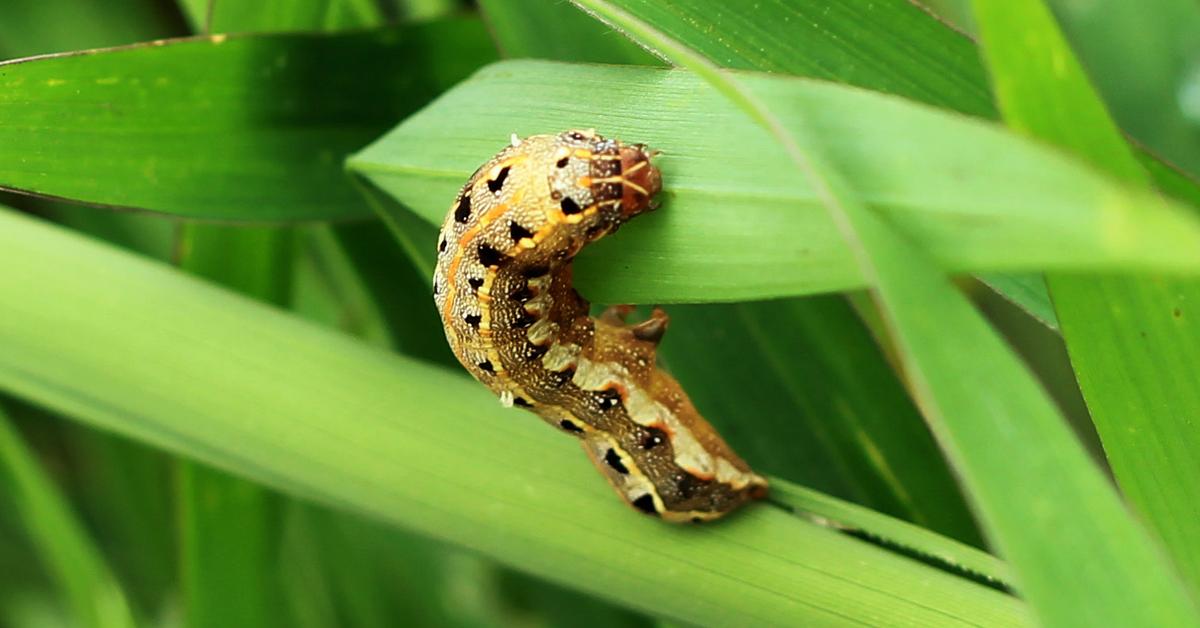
503,287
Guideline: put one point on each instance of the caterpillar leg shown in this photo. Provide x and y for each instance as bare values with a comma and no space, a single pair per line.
650,330
653,328
616,314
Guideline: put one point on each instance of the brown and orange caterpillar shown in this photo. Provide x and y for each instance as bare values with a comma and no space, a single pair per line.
503,288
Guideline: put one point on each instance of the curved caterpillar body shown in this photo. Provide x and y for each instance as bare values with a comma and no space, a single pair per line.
503,288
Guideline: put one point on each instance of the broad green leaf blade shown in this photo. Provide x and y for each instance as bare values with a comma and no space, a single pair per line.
559,31
999,428
771,39
250,128
894,46
31,27
316,414
91,592
1133,342
1077,554
972,195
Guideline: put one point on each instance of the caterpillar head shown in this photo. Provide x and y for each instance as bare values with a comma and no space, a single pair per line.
641,179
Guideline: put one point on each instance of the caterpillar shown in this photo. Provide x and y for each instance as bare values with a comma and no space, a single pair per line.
503,288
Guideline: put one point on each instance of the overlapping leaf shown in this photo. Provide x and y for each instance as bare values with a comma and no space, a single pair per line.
985,407
737,223
243,128
317,414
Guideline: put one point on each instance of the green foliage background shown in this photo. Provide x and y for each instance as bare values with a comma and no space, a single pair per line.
938,285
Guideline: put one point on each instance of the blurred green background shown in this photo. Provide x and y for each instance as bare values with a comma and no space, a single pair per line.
181,543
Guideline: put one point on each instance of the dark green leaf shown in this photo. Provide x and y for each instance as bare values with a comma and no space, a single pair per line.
250,128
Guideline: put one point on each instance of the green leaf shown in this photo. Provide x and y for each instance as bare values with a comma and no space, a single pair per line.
122,489
228,526
916,540
973,196
1132,341
894,46
557,30
309,411
215,16
891,46
252,260
1149,82
328,289
399,291
250,128
999,428
1027,292
92,593
227,529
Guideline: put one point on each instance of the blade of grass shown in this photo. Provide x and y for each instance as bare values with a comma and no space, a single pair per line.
123,491
88,587
311,412
228,527
328,289
250,128
556,30
975,197
308,590
891,46
1081,555
30,27
1027,292
917,540
400,292
1141,57
254,261
1133,341
894,46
